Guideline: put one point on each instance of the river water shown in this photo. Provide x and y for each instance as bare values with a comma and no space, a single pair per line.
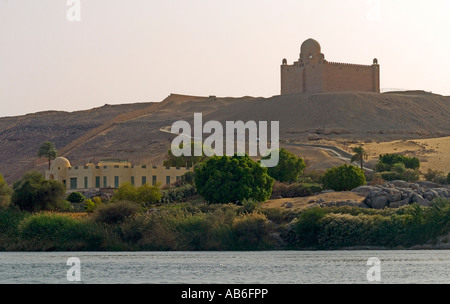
261,267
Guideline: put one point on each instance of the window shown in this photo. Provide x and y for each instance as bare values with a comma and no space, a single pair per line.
167,180
85,182
178,178
144,180
97,182
105,182
73,183
116,182
132,180
154,180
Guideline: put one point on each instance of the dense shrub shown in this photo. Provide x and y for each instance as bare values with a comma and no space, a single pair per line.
76,197
145,195
49,231
115,212
33,193
339,227
5,193
342,178
289,167
387,161
250,231
435,176
177,194
448,178
224,179
91,205
294,190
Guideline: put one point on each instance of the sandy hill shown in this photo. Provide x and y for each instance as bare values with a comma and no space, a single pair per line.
132,131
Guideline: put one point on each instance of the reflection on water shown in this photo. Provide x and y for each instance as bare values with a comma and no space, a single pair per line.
266,267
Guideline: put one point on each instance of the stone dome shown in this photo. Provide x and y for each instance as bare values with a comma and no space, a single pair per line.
310,49
59,163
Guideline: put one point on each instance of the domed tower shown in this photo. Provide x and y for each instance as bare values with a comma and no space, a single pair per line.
59,163
311,50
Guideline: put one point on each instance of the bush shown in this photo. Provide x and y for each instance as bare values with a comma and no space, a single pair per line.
5,193
91,205
178,194
250,231
33,193
224,179
387,161
76,197
289,167
435,176
115,212
144,195
308,226
49,231
342,178
448,178
294,190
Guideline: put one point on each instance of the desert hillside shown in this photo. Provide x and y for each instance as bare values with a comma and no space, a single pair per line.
132,131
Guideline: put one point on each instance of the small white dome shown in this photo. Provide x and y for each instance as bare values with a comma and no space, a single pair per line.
59,163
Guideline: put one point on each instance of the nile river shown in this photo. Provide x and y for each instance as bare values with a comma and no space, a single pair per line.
261,267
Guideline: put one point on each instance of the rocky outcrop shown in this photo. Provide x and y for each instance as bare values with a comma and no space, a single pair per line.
400,193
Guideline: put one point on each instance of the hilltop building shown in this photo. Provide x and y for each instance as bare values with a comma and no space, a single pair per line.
312,74
110,174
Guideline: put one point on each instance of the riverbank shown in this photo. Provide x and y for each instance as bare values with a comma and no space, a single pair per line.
198,226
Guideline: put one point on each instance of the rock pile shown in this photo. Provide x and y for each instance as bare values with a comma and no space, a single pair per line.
398,193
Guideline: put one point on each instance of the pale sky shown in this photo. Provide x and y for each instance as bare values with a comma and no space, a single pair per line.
124,51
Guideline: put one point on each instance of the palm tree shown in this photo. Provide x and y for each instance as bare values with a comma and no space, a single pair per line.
48,150
360,155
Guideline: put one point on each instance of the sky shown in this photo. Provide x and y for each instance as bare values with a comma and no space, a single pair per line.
126,51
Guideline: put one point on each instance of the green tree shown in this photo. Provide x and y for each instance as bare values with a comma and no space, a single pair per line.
343,178
359,156
387,161
448,178
49,151
183,160
144,195
5,193
289,167
76,197
224,179
33,193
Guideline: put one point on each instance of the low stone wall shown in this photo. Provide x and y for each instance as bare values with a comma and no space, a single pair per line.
400,193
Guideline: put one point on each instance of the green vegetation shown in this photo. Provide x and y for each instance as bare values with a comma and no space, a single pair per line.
285,190
343,178
332,228
5,193
33,193
436,176
76,197
359,156
395,166
232,179
49,151
448,178
183,160
289,167
144,195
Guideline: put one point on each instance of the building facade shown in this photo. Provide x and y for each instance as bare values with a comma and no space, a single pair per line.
111,174
313,74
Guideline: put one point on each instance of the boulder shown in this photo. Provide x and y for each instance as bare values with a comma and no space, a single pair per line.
380,201
417,198
399,203
400,184
364,190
